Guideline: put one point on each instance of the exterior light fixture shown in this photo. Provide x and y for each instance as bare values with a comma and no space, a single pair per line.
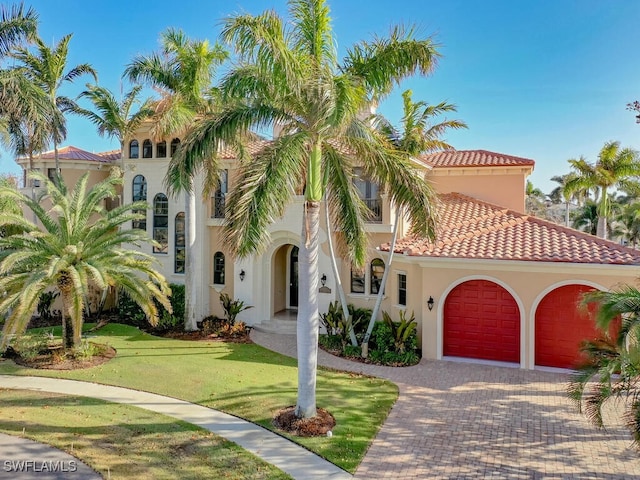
430,303
242,275
323,279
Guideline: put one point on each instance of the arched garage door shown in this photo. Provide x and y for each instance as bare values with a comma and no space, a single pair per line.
561,325
481,320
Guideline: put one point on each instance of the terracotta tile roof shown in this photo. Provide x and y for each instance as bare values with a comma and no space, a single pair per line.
253,147
470,228
473,158
111,155
72,153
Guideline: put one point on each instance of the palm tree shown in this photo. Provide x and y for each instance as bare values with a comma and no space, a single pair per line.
626,224
288,74
183,72
585,218
418,135
78,244
112,117
614,167
46,70
561,193
534,200
612,369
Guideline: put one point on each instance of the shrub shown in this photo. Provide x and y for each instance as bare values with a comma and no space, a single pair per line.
360,320
131,314
394,343
232,308
401,331
45,304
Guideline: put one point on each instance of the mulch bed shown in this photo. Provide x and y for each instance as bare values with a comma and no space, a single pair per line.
200,336
317,426
57,361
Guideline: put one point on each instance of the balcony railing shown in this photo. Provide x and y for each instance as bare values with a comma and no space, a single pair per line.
218,203
375,207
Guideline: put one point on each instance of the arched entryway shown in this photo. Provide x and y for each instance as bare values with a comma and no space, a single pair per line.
284,271
561,326
481,319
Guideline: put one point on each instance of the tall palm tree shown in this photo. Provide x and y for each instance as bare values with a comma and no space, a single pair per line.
112,117
78,244
46,69
288,74
534,200
585,218
614,167
626,224
17,25
417,136
562,194
612,368
183,72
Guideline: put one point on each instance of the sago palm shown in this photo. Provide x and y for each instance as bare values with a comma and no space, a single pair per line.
612,368
78,244
288,74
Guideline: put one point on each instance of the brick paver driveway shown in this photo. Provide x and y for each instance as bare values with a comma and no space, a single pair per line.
460,420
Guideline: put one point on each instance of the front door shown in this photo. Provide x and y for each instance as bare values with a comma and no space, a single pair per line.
293,278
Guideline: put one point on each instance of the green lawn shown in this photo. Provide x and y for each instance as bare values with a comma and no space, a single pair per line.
242,379
120,441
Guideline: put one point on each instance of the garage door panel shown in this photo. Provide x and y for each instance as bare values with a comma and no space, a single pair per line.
562,325
481,320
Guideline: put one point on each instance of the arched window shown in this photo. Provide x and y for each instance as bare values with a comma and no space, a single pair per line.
147,149
133,149
139,194
161,223
376,273
180,250
218,268
357,280
161,149
175,143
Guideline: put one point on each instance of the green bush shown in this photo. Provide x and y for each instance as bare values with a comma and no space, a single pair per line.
360,320
394,343
232,308
131,314
330,342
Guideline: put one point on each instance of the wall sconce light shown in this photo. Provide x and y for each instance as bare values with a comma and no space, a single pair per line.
323,279
430,303
242,275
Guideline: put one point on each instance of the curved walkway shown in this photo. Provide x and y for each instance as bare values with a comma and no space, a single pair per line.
291,458
458,420
24,459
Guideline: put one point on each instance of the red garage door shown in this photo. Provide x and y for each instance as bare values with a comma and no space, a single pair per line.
561,325
481,320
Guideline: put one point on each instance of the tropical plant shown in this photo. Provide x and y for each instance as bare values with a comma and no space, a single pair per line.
112,117
401,330
614,167
561,194
612,368
183,73
626,224
337,326
232,308
417,136
45,304
46,70
78,243
287,73
585,218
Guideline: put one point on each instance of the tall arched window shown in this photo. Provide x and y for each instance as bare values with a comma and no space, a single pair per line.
161,223
357,280
180,250
218,268
147,149
133,149
175,143
139,194
161,149
377,271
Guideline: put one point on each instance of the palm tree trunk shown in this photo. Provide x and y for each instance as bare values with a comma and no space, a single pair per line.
336,275
566,214
308,318
602,227
383,283
191,295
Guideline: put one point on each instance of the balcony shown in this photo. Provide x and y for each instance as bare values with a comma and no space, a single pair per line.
375,207
218,203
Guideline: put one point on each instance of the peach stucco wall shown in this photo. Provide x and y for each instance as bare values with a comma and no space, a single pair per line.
498,186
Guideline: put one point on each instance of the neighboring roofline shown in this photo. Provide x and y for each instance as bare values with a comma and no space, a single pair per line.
515,160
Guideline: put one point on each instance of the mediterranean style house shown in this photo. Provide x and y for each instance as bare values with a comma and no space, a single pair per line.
497,285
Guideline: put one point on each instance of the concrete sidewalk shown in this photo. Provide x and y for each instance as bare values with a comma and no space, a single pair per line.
24,459
291,458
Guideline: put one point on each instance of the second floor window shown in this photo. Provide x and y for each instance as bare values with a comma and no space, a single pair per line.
161,149
147,149
402,289
139,194
219,197
370,195
133,149
357,280
175,143
161,223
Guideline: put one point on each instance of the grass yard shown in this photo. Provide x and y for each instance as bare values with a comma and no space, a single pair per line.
124,442
242,379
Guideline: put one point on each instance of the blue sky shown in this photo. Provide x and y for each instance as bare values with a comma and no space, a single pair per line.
542,79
